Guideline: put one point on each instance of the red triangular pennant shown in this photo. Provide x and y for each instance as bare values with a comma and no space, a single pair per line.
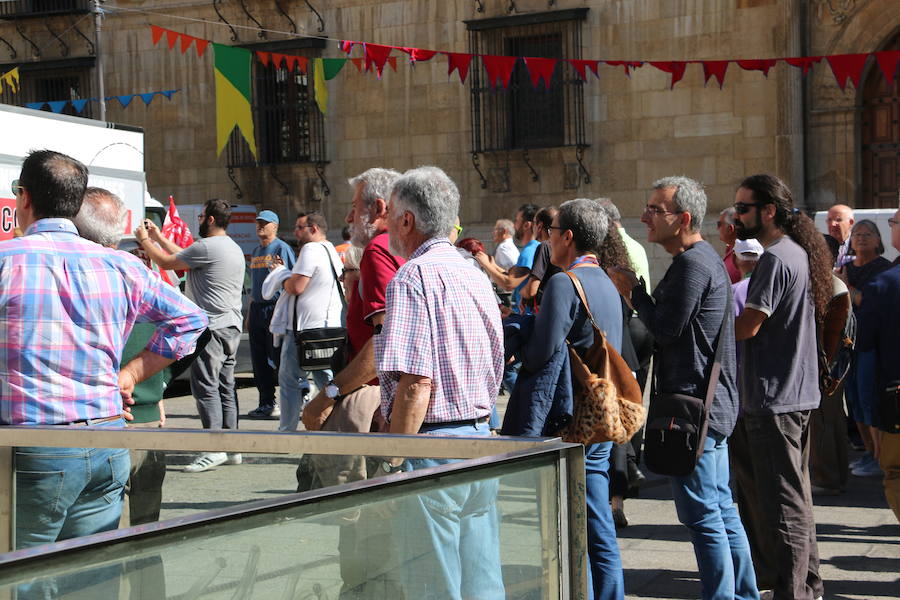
200,45
290,62
418,54
628,65
715,68
263,57
674,67
277,59
157,33
540,68
803,62
358,62
847,65
186,41
303,64
762,64
458,62
346,46
377,54
499,67
392,60
171,38
887,62
581,64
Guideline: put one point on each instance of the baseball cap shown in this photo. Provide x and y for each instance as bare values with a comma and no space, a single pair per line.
751,246
267,215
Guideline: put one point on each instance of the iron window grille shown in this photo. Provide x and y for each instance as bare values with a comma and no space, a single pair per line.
288,126
71,79
521,116
39,8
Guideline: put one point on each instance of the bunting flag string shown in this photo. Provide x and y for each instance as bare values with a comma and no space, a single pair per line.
58,106
11,79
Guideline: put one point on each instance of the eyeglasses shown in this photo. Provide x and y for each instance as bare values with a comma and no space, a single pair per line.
556,227
298,226
742,208
16,187
458,229
657,211
893,222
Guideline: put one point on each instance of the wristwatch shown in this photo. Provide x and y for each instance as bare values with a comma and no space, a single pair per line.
332,391
387,467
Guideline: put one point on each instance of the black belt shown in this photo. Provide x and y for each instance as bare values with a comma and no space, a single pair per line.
470,422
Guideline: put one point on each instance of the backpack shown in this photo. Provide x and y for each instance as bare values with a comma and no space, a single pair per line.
832,374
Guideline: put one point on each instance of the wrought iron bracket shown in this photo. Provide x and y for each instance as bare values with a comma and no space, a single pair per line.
320,173
286,16
273,171
511,8
261,33
579,156
234,35
319,17
479,6
534,174
477,164
12,51
37,51
64,48
237,189
92,50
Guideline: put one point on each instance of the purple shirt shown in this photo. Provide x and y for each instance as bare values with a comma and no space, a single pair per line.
67,306
442,322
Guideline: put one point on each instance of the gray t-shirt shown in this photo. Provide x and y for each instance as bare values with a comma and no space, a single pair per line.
216,279
779,370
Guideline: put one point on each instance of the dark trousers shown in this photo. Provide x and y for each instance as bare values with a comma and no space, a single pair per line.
779,454
263,354
828,443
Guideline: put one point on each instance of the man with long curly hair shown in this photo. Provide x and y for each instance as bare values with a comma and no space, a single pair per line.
779,379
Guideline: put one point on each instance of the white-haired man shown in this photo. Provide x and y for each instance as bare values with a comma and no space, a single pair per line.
506,255
444,384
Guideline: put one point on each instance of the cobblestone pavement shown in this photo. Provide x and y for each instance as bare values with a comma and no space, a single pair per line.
859,538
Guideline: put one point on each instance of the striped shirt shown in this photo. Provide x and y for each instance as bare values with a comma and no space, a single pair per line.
67,306
442,322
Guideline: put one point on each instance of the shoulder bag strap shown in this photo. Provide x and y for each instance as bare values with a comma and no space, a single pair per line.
579,289
337,280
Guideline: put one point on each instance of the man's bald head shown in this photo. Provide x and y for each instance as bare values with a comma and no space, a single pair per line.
102,217
840,221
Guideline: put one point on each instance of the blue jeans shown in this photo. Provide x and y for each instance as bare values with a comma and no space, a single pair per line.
605,579
704,505
292,384
448,540
63,493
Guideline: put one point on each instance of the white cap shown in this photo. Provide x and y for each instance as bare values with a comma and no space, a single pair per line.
751,246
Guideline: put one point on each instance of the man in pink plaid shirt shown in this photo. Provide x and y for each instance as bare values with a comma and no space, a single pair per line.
440,362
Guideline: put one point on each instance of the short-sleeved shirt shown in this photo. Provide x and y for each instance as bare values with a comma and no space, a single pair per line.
376,268
261,261
526,260
506,254
442,322
779,365
215,280
638,257
733,272
320,303
542,269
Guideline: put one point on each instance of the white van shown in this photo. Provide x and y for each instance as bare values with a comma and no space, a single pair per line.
879,215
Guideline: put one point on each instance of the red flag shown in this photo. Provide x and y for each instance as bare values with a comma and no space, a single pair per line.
157,33
263,57
290,62
392,60
418,54
378,54
185,42
628,65
303,64
847,65
458,62
803,62
715,68
358,63
581,64
763,65
540,68
499,67
175,229
674,67
171,38
347,46
277,59
200,45
887,62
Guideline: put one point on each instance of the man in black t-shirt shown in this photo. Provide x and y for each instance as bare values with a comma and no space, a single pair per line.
541,269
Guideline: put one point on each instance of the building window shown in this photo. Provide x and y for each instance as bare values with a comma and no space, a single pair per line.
289,127
31,8
50,81
520,116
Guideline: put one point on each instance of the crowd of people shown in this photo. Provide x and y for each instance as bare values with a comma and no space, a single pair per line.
436,328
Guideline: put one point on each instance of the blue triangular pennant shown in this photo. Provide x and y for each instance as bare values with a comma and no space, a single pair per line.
57,105
35,105
148,97
125,100
168,93
79,105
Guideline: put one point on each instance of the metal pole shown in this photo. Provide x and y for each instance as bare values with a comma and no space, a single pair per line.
101,91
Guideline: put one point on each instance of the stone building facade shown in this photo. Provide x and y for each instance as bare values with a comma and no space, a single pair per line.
611,136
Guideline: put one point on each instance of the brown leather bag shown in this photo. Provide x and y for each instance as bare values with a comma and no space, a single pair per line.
608,404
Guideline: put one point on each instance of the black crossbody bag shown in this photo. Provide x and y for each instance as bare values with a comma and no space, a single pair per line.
315,347
677,423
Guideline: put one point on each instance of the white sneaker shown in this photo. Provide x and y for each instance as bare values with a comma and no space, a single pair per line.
276,411
206,461
234,459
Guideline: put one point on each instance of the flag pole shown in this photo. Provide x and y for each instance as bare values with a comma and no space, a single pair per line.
101,91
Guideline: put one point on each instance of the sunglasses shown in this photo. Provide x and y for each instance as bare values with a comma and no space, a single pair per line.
458,229
742,208
16,187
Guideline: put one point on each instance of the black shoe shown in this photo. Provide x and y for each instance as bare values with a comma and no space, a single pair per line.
261,412
635,476
619,518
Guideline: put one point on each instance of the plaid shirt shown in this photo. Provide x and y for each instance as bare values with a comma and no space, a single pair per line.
67,306
442,322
